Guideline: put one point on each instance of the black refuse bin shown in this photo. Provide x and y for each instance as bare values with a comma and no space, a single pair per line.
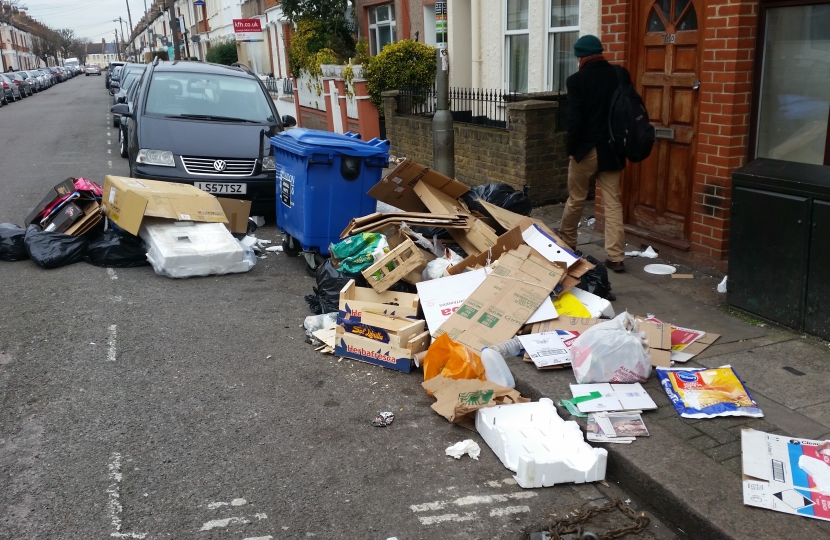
779,243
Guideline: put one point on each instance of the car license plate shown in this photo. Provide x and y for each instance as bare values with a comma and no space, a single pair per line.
222,188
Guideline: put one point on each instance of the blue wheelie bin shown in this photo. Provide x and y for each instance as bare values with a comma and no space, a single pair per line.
322,180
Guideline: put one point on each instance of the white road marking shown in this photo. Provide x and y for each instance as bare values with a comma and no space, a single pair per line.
235,502
109,151
109,142
111,272
437,505
113,335
239,502
259,538
109,134
110,164
114,507
494,484
509,510
260,517
222,523
215,505
432,520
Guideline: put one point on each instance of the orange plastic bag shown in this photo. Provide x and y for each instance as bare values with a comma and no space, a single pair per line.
452,360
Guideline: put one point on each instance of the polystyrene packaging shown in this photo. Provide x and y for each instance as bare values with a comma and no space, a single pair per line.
495,368
180,249
612,352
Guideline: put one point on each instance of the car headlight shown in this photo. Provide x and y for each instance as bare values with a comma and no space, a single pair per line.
269,163
162,158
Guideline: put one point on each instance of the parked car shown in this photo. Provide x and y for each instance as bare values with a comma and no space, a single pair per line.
23,85
123,121
47,77
57,73
35,83
128,74
110,70
11,91
115,80
208,125
92,69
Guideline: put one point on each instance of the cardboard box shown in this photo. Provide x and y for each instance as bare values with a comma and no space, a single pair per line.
64,218
504,243
64,188
659,340
396,188
91,218
127,201
458,400
396,331
774,475
354,301
498,308
394,266
380,354
378,221
442,297
237,213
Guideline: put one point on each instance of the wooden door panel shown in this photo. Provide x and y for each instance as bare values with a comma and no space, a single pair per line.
655,58
683,106
667,66
685,58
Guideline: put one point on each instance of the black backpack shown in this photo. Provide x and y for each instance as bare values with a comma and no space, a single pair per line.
631,133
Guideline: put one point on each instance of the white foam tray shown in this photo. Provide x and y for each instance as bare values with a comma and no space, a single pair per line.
532,440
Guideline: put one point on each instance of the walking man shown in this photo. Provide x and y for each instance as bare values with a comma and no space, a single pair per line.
590,90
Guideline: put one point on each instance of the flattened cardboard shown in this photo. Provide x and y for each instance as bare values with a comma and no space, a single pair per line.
659,340
64,188
504,243
354,301
370,351
458,400
91,217
64,218
127,201
377,221
499,307
396,188
442,297
237,212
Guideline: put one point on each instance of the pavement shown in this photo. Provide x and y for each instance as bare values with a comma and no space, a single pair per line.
690,469
137,406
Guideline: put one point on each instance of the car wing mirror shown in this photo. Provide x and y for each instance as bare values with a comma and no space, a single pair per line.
123,109
289,121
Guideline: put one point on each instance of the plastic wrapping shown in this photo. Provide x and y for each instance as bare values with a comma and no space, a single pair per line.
707,393
495,368
115,248
312,323
611,352
53,250
181,249
511,347
359,252
452,360
12,245
501,195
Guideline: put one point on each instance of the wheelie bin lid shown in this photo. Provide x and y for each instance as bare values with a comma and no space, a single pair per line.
304,142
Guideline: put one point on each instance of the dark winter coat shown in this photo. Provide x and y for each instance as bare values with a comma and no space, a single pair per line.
589,98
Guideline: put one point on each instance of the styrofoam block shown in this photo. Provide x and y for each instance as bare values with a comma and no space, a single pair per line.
532,440
184,249
599,307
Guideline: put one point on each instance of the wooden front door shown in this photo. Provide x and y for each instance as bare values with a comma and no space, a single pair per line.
659,189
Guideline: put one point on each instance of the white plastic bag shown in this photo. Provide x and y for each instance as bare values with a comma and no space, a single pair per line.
611,352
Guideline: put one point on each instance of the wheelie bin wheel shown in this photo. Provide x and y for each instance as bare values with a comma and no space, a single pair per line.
290,246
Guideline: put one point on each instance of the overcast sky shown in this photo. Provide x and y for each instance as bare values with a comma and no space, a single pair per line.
88,18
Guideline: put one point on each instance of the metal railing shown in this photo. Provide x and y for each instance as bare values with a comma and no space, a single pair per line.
279,87
475,106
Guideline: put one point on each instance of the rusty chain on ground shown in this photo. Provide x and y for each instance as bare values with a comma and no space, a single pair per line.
575,525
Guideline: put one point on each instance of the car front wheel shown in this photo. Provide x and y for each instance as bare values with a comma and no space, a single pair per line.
122,143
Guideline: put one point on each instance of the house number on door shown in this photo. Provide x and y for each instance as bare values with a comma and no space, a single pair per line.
669,38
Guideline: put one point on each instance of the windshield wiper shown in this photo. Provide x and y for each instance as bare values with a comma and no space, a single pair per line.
212,117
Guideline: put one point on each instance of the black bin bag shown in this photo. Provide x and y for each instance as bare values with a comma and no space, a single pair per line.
501,195
12,246
53,250
115,248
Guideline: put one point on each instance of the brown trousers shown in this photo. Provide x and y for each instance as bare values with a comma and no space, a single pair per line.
579,180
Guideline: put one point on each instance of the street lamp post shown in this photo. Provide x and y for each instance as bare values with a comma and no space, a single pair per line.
443,136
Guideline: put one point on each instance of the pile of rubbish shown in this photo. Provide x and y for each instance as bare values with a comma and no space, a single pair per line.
179,230
460,287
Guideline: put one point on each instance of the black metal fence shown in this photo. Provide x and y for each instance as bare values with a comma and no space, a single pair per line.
479,107
276,86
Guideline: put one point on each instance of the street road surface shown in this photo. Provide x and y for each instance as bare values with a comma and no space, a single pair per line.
137,406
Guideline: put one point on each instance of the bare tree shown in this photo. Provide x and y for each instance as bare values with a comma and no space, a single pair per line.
79,50
67,41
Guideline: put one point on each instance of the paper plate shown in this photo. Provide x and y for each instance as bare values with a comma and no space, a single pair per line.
660,269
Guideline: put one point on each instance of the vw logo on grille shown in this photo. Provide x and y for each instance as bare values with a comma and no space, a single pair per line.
219,165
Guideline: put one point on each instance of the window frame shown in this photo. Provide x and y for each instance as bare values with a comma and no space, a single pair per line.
757,72
549,36
391,23
506,47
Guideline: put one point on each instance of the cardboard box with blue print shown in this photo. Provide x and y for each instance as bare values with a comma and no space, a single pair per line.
386,355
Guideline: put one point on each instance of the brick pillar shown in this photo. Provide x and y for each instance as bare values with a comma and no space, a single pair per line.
367,114
723,129
390,105
538,149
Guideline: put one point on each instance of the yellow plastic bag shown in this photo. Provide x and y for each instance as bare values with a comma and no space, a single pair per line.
452,360
569,305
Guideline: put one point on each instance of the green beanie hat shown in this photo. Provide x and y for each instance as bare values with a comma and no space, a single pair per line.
587,45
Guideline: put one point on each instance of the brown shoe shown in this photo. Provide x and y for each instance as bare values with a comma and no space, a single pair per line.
615,266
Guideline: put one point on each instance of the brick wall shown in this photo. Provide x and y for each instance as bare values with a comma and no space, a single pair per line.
530,152
728,32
